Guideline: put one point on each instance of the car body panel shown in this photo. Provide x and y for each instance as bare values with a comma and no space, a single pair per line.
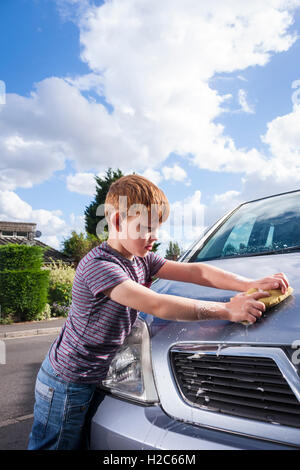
279,325
150,428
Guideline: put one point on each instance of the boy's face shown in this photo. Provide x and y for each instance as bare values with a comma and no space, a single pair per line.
137,234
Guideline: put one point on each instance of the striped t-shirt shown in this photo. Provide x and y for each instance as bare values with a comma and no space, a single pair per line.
96,325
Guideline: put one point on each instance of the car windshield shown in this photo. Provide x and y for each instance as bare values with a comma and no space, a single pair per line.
266,226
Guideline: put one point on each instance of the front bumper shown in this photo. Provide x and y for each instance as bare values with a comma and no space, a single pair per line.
122,425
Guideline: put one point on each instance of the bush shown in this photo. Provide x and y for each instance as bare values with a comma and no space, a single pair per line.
6,319
19,257
45,314
23,284
60,288
23,293
59,310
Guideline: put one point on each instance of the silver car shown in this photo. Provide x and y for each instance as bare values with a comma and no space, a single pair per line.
215,384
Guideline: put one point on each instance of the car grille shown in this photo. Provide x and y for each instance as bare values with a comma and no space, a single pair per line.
248,387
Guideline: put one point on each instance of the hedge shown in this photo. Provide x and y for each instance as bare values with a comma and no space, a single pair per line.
24,293
14,257
23,285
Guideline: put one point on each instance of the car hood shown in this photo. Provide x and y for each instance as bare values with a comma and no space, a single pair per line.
279,325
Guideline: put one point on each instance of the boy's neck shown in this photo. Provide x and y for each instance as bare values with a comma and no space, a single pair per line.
116,245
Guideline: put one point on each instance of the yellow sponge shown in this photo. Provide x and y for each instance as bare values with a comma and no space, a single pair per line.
276,296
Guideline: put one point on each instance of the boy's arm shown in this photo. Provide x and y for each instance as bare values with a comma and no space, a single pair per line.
172,307
210,276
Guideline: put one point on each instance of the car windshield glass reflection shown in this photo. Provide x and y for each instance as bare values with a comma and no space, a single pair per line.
269,225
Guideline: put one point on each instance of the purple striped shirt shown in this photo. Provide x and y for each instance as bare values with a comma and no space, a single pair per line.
96,325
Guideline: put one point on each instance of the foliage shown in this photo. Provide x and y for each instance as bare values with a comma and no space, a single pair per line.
23,284
6,319
102,187
173,250
45,314
15,257
78,245
59,310
23,293
155,246
60,289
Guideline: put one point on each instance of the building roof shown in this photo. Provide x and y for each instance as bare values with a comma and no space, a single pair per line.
7,225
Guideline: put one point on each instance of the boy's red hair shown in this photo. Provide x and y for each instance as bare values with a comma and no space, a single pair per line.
138,190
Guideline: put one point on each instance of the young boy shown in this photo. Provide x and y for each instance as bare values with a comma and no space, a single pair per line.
110,288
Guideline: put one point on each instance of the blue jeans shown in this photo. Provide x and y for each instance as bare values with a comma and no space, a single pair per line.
62,411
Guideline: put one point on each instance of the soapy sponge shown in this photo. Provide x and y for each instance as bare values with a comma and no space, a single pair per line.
276,296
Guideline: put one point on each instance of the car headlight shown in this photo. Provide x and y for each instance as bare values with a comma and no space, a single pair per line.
130,372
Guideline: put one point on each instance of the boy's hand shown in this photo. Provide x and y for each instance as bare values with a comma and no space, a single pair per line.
277,281
246,307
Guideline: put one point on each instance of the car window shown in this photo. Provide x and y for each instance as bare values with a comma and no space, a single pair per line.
270,225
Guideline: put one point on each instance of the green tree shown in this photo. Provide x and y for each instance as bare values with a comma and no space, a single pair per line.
78,245
102,187
173,251
155,246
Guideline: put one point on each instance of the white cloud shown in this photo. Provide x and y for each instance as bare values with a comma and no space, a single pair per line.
72,9
226,201
245,106
278,180
89,81
55,123
26,161
175,173
283,138
279,174
77,223
150,65
152,175
12,207
82,183
162,54
149,62
52,241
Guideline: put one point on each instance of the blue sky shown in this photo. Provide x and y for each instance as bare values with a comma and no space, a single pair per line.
201,101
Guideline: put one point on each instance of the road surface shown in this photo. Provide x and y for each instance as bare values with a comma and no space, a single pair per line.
17,381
